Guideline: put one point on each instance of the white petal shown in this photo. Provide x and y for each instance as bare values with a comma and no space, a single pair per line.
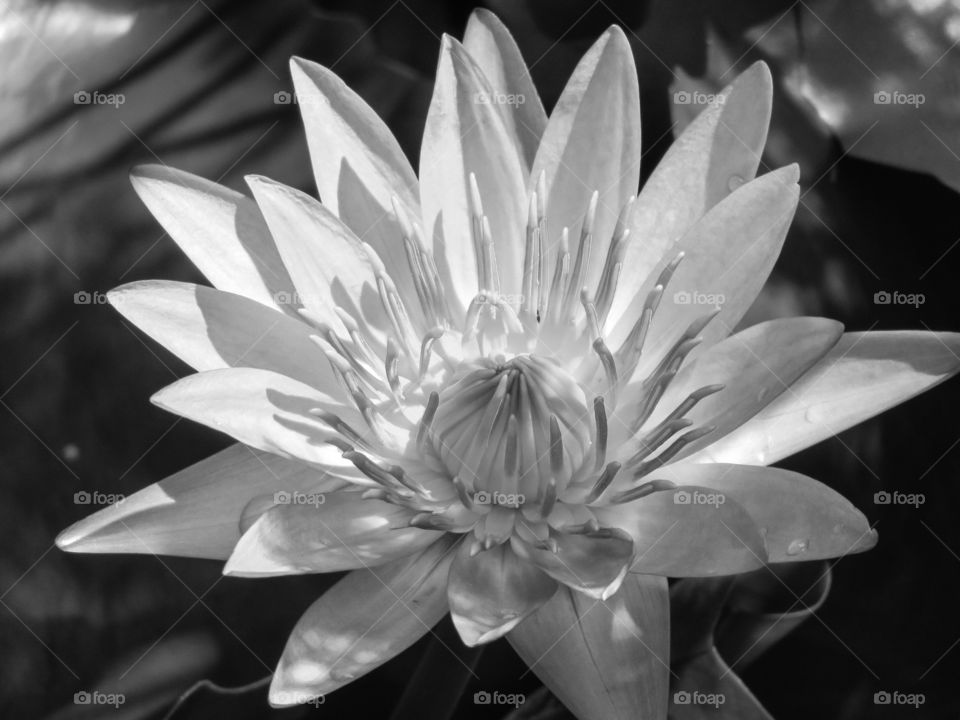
496,53
210,329
754,367
716,152
863,375
196,512
220,230
358,165
262,409
328,532
493,591
802,519
465,134
729,255
592,143
367,618
605,660
330,267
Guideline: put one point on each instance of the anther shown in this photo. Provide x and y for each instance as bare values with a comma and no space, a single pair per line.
433,402
600,438
603,482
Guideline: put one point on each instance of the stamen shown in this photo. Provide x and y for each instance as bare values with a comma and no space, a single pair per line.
556,445
433,402
668,454
392,368
577,278
531,255
603,482
656,437
414,252
426,347
561,276
600,439
377,473
688,404
585,528
593,321
393,307
628,356
613,263
609,365
641,491
491,280
476,213
342,427
549,498
471,323
511,454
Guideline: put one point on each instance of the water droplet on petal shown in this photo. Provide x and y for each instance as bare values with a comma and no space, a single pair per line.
812,416
734,182
797,546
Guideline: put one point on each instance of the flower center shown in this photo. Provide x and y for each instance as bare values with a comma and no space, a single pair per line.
511,431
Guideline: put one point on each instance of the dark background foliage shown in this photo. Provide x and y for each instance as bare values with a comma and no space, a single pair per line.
199,80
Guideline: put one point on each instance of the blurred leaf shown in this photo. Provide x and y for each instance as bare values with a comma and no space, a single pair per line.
145,681
883,75
735,619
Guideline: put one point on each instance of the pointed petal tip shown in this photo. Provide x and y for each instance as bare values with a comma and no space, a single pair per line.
758,71
71,539
148,171
284,694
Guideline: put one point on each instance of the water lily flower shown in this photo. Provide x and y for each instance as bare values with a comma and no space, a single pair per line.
507,388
